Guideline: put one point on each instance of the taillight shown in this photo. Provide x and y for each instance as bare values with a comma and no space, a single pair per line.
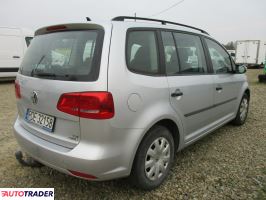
17,89
92,105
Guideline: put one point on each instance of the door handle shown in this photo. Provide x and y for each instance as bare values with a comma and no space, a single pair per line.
16,57
218,88
177,93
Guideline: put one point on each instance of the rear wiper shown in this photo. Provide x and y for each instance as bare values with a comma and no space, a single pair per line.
35,68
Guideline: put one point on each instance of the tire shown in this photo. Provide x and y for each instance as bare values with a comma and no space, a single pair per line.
262,78
242,112
151,167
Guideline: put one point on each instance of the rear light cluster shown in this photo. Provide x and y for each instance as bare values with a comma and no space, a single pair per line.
92,105
17,89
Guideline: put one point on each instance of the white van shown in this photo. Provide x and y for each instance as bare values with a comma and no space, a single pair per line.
251,52
13,45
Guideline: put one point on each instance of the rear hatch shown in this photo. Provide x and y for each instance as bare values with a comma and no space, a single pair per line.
61,59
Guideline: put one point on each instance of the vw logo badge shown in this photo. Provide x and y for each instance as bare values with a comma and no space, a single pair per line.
34,97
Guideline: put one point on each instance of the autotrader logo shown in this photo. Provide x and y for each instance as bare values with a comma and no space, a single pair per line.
27,193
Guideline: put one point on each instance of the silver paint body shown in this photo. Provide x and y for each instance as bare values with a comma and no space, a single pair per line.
106,148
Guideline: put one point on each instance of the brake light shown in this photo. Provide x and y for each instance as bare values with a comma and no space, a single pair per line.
92,105
17,89
56,28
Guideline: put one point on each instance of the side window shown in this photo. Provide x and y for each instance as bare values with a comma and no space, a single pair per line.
171,61
142,53
220,58
191,54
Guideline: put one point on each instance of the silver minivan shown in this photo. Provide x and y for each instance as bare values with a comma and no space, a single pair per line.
102,101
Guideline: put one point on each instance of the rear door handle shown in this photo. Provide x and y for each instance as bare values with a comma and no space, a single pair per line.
16,57
177,93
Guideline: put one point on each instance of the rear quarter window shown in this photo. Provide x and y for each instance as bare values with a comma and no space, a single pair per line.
142,52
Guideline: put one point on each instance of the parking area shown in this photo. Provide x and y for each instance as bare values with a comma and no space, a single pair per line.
227,164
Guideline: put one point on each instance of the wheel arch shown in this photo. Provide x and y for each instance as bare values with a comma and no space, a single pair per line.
170,125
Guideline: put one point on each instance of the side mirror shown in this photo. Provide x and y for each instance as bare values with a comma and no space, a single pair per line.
241,69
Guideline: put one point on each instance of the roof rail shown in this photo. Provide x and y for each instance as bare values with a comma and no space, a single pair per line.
122,18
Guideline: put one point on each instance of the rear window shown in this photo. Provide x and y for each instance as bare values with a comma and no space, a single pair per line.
70,55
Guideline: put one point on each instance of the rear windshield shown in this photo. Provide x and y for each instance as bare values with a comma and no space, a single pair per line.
71,55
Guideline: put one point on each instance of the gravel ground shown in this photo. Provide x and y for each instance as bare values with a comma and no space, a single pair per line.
227,164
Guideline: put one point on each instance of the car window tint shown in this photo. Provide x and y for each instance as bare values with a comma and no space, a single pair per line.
219,57
191,54
171,61
142,53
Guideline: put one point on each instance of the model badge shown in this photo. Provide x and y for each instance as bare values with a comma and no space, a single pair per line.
34,97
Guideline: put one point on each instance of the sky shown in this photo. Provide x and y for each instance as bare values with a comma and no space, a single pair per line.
225,20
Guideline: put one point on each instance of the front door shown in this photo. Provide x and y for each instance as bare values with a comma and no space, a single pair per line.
226,84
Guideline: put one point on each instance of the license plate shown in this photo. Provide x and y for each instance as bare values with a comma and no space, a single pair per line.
40,119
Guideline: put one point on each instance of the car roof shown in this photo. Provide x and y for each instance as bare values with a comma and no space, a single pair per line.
125,25
163,22
131,24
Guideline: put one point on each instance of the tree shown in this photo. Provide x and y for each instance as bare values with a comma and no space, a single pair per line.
230,46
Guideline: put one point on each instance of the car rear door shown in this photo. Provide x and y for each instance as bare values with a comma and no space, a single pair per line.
190,85
241,52
253,51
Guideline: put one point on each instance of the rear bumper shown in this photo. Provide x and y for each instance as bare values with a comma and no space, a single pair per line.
104,161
